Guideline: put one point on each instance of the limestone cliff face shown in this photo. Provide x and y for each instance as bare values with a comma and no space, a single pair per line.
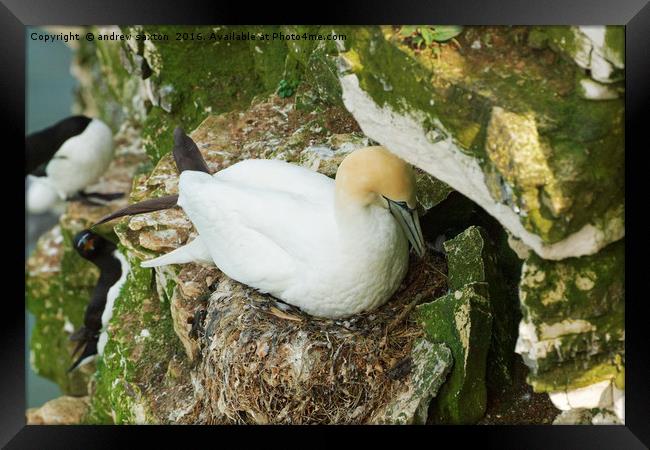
501,117
527,123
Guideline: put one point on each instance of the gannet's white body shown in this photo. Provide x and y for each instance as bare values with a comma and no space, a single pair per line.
330,248
78,163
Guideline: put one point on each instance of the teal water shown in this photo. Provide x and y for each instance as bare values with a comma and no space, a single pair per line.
49,98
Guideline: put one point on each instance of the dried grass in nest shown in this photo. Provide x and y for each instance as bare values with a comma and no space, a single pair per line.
266,362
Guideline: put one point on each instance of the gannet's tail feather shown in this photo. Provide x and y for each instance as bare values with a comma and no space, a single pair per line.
195,251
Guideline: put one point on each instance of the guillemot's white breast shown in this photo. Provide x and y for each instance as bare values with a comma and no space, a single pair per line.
80,160
111,296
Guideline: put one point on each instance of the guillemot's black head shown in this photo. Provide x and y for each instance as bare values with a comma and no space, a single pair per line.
101,252
91,246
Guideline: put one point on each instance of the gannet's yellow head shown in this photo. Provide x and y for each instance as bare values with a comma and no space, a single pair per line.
373,175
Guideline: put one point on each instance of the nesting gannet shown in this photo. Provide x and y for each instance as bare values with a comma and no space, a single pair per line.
113,269
62,160
333,248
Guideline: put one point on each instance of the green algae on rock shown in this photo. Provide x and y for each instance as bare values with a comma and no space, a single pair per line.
130,378
572,335
472,258
600,49
192,77
442,114
205,77
57,298
462,321
530,145
430,190
106,88
432,363
573,318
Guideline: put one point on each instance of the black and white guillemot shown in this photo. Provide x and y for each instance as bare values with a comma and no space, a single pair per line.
64,159
113,269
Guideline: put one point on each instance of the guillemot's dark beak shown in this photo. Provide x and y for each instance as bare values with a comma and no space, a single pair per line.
187,156
153,204
410,223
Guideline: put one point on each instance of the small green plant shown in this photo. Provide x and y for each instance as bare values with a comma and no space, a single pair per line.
427,36
287,88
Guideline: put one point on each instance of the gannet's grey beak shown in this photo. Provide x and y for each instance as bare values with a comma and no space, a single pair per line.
410,223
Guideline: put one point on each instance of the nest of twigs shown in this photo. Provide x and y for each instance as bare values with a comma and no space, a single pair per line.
262,361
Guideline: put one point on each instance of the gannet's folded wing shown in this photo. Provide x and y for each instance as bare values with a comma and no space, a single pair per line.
259,237
276,175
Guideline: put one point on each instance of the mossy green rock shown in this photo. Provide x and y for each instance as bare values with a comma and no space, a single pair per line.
430,190
598,48
432,363
472,258
207,70
500,122
140,332
313,61
461,320
106,88
58,284
192,78
573,328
